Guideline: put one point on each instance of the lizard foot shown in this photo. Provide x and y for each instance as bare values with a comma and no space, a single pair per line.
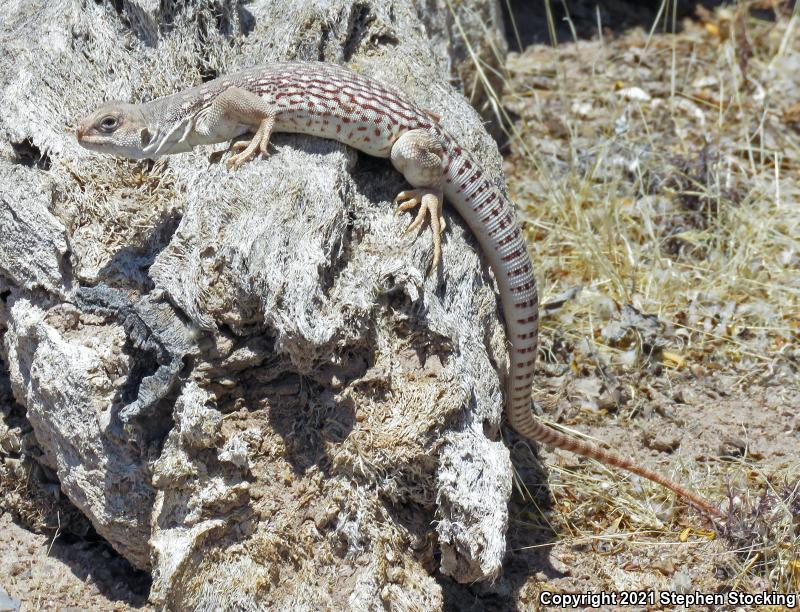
245,151
241,145
430,204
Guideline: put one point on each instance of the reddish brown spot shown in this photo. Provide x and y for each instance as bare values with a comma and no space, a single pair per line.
338,128
528,320
361,128
524,287
380,112
513,255
491,198
308,123
377,132
366,139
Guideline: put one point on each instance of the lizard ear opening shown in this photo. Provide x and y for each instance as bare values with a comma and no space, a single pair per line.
145,136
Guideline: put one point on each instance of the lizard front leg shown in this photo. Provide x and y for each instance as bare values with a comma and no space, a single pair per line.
236,106
417,154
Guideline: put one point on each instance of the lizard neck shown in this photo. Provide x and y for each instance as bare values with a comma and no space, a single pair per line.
168,128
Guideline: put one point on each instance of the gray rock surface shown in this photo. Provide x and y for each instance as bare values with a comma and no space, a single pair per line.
8,603
245,379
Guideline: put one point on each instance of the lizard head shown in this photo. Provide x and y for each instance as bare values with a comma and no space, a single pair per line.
116,128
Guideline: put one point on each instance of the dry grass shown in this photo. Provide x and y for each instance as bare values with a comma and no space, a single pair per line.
683,205
659,177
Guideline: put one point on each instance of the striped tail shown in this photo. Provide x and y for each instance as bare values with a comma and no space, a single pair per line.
492,218
546,435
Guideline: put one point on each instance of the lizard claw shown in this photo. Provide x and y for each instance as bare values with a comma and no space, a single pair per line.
246,150
430,205
239,145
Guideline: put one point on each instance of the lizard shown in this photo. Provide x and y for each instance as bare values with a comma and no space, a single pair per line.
330,101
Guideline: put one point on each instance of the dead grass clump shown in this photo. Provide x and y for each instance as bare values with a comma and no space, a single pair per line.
763,528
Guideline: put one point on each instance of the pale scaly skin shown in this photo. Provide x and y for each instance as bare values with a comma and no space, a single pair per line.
332,102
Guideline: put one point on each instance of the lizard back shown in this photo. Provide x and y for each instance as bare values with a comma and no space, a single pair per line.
329,101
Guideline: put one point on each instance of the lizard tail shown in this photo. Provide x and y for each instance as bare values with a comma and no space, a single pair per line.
492,218
523,421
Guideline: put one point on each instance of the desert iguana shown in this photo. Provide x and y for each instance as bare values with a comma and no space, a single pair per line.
330,101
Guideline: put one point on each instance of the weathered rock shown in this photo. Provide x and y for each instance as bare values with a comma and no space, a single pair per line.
33,242
245,379
60,370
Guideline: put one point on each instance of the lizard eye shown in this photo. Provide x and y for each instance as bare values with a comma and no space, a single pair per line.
109,123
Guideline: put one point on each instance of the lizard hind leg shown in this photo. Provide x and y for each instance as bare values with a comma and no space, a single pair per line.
417,154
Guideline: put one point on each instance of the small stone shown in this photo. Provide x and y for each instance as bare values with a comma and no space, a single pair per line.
685,395
634,94
732,448
665,566
660,442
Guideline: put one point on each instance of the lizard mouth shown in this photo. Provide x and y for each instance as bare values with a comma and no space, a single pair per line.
87,141
85,136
